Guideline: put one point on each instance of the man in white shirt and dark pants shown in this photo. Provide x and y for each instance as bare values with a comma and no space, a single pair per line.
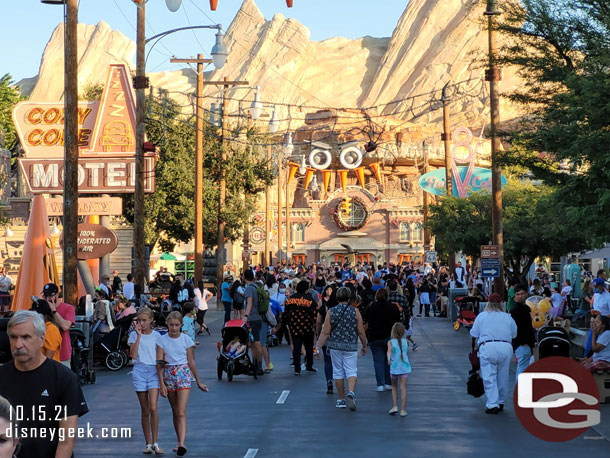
494,330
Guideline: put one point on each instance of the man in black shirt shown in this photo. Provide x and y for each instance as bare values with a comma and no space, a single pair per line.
524,343
45,394
391,276
300,311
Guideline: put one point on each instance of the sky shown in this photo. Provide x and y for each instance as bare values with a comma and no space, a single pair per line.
26,25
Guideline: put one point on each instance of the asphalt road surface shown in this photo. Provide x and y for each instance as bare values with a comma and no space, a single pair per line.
244,419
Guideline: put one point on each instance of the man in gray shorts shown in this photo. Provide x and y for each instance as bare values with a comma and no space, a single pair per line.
254,320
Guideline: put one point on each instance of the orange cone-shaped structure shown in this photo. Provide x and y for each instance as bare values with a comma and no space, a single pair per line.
326,176
308,176
292,172
360,174
213,4
375,168
343,178
37,266
289,3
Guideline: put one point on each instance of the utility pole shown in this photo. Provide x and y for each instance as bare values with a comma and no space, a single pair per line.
279,209
198,164
288,235
220,260
267,262
70,221
427,244
445,136
494,76
140,84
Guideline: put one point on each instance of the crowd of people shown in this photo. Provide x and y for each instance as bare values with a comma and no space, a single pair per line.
323,313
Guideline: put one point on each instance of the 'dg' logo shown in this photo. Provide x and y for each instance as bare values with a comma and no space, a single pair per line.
556,399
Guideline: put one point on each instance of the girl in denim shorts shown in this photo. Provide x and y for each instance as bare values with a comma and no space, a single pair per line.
143,350
175,369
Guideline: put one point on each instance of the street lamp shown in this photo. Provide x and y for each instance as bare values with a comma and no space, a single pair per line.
219,57
274,123
173,5
256,108
288,146
219,50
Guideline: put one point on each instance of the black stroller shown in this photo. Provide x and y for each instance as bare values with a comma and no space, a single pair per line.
112,347
5,346
81,361
230,361
553,342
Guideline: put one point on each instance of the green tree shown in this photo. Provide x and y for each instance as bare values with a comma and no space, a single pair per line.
9,97
533,225
561,49
170,212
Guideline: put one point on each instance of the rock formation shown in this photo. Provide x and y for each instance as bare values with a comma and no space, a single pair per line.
434,43
98,46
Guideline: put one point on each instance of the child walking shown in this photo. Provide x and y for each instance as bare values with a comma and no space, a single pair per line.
399,367
143,350
188,320
175,368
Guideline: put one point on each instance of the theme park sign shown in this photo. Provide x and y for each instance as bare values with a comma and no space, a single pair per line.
95,176
100,206
95,241
480,180
106,140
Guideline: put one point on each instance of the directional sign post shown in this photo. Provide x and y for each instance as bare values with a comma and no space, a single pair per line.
490,267
490,251
431,256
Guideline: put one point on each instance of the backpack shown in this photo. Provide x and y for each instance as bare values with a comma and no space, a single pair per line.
237,297
263,300
474,385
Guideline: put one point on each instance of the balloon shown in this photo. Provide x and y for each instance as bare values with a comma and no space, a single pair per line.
544,305
538,320
533,301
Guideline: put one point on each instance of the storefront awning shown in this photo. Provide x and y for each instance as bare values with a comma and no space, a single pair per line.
359,244
602,253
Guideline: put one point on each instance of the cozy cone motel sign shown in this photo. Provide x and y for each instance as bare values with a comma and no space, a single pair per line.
106,141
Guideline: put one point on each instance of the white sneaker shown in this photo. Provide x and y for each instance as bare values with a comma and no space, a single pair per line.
380,388
388,387
350,400
148,449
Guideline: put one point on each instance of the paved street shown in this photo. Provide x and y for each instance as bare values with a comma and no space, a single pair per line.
242,418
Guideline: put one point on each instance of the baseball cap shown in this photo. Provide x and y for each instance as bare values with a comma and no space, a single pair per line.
50,289
599,282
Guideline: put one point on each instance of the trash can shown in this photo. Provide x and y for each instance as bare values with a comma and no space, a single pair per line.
451,308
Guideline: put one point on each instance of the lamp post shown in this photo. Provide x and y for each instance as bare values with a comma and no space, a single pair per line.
70,216
494,76
274,125
219,56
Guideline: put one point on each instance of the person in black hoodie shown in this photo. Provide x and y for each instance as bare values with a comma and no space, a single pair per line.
524,343
379,319
367,295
